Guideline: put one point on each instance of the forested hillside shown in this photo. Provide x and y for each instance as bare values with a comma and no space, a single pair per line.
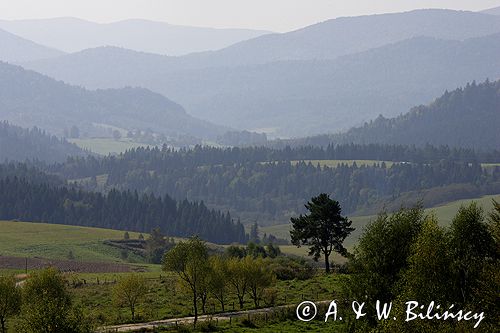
23,196
267,185
19,144
465,117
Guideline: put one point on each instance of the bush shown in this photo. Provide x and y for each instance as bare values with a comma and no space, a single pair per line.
270,296
288,268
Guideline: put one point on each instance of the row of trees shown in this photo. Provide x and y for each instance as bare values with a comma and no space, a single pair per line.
217,276
42,304
409,256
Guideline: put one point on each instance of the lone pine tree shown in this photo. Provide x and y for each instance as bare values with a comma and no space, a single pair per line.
324,229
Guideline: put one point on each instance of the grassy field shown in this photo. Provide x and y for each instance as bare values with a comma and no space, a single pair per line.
444,213
24,239
105,146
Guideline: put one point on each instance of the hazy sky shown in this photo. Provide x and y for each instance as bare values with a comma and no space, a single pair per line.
277,15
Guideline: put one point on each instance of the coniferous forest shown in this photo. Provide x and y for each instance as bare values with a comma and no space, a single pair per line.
27,197
267,184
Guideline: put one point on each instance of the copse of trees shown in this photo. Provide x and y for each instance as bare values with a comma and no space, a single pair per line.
408,256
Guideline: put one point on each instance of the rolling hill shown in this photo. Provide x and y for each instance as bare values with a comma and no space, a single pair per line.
17,49
19,144
73,35
335,94
30,99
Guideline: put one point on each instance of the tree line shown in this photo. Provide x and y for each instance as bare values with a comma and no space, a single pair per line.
155,158
270,191
21,199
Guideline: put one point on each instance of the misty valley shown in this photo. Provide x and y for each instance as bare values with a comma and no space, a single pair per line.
167,178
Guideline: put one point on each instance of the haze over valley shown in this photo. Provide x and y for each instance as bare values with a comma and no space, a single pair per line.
163,169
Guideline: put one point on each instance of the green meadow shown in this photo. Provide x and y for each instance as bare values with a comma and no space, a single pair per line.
52,241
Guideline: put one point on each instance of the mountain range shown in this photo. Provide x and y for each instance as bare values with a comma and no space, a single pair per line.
31,99
295,98
72,35
323,78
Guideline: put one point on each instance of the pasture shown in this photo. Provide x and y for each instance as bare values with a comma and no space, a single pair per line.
52,241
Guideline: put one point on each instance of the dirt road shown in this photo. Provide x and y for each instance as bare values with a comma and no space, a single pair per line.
189,320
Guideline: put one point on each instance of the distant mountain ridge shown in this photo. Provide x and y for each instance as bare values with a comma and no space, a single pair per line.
492,11
31,99
73,35
16,49
295,98
332,39
347,35
20,144
467,117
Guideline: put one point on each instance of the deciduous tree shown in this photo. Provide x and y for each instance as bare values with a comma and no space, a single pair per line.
129,291
189,260
260,277
47,306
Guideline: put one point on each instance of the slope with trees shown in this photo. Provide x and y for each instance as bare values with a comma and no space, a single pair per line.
274,189
465,117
